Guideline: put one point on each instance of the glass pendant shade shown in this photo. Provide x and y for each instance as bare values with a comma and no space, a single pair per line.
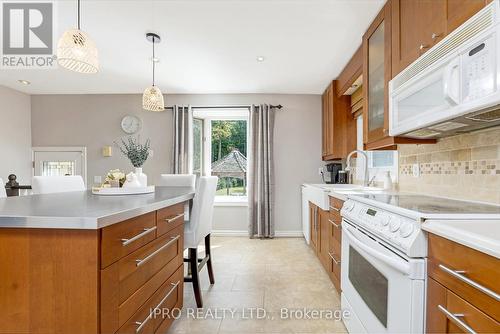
152,99
77,52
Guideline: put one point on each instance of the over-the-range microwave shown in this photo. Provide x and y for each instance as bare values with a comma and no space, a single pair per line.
454,87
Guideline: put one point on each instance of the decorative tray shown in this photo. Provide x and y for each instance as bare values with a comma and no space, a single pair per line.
123,191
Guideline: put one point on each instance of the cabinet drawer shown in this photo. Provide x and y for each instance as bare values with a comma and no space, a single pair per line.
169,218
470,317
164,300
121,239
336,204
466,272
126,285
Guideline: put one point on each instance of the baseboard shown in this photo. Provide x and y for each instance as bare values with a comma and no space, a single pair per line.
289,234
229,233
241,233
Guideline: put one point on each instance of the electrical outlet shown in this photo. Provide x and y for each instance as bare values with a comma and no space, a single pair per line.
97,179
416,170
151,153
320,170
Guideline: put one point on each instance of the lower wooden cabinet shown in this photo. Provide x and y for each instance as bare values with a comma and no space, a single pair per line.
326,238
455,301
93,281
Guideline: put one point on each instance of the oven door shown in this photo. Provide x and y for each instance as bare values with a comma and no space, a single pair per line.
384,291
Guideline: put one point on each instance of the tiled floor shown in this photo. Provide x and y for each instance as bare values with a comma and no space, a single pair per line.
261,276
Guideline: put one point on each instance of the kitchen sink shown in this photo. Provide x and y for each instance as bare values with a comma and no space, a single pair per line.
319,193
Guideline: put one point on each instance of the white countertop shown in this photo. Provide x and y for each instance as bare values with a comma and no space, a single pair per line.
342,191
481,235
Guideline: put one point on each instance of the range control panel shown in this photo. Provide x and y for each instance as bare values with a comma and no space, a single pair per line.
400,232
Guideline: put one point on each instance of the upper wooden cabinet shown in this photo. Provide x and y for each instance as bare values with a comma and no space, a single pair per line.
417,25
376,76
339,126
377,72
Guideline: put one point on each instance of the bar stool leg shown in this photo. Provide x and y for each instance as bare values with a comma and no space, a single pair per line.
209,262
193,262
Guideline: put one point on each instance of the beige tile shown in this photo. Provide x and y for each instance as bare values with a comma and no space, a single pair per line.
461,155
484,152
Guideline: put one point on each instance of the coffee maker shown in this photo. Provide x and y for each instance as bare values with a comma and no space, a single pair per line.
333,173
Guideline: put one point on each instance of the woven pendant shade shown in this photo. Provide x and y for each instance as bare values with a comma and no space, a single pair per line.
77,52
152,99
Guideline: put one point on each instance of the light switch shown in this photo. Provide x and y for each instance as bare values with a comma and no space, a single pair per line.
107,151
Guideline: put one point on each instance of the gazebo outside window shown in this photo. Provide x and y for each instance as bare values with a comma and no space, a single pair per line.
232,172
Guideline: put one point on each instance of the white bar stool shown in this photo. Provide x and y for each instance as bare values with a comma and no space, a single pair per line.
57,184
198,228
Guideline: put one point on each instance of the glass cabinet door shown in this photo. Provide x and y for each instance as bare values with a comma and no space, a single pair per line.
376,81
376,75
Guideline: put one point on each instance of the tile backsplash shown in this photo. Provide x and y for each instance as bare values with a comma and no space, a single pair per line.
464,167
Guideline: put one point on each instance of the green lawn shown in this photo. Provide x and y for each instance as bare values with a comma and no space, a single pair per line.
223,191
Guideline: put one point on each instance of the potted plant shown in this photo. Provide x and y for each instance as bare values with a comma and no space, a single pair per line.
137,153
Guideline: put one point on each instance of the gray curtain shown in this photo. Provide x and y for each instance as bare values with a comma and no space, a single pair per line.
260,172
183,140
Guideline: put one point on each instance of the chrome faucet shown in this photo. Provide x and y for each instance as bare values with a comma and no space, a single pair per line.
349,168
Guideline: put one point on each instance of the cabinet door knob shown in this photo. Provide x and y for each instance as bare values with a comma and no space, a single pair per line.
423,46
434,35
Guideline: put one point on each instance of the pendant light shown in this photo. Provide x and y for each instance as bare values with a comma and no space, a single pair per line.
76,51
152,99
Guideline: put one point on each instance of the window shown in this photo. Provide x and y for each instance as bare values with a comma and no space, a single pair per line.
379,162
221,150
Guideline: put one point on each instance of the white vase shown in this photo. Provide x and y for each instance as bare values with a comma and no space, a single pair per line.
143,178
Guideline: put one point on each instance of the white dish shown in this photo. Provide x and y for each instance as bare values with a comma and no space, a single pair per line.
123,191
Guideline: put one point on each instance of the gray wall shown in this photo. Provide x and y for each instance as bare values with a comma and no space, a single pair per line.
15,135
94,121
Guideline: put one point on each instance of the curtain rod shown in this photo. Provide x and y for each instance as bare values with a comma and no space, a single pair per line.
279,106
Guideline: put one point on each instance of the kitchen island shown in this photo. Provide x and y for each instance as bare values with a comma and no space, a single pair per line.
81,263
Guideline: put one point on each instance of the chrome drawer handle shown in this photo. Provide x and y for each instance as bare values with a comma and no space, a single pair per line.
333,258
458,274
125,242
334,209
455,318
169,220
150,256
334,224
141,324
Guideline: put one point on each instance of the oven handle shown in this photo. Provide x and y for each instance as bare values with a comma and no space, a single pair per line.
403,268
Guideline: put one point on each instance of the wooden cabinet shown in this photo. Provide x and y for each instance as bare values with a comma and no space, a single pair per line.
459,11
339,126
326,237
456,299
376,76
418,25
93,281
313,226
377,72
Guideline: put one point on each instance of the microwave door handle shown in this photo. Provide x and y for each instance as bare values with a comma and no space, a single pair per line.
404,268
448,85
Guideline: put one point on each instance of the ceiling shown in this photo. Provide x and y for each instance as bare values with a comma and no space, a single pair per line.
209,46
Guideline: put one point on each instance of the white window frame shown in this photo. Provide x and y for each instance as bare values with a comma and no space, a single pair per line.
209,115
375,173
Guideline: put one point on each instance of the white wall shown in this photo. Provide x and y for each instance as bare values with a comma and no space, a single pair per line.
94,121
15,135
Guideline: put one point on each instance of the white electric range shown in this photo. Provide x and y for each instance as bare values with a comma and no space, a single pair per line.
384,254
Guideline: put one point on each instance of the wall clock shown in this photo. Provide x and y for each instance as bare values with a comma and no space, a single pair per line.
131,124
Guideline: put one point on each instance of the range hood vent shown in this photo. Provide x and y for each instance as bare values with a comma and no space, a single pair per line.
488,115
